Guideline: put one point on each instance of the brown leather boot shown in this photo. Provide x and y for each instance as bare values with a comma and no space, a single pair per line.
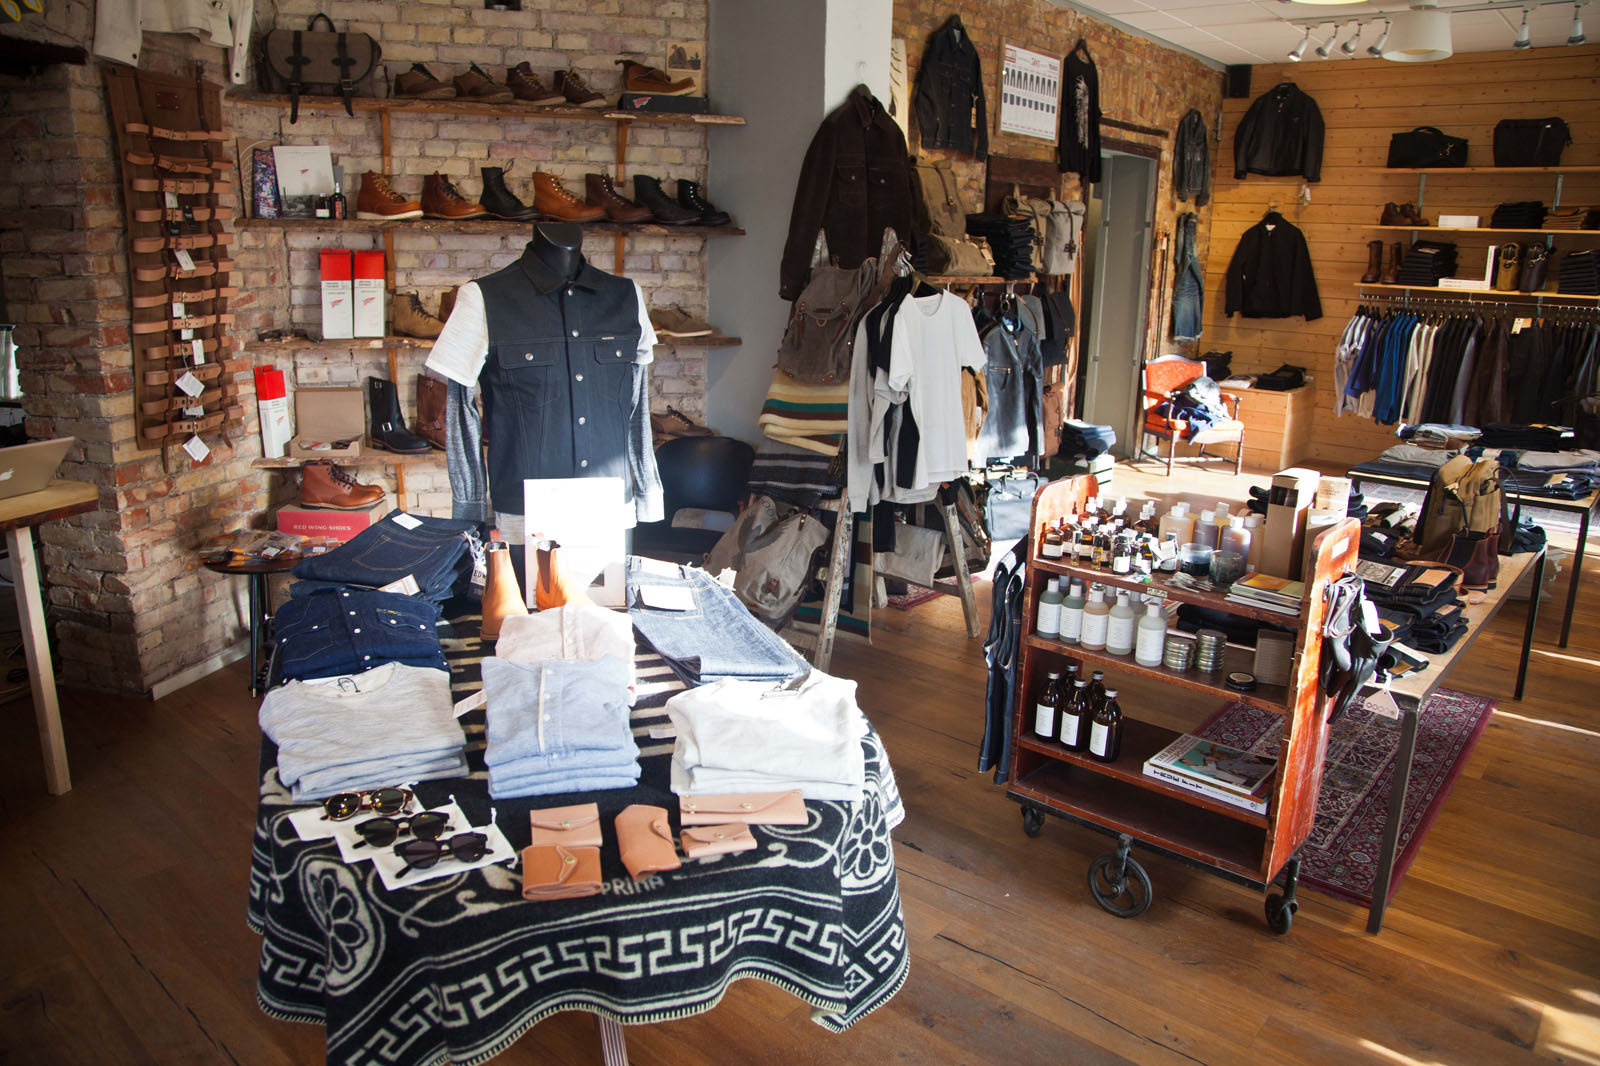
528,87
1391,271
378,200
570,83
441,200
550,588
638,78
477,85
447,303
329,486
502,596
408,318
1374,262
432,395
600,192
551,198
418,83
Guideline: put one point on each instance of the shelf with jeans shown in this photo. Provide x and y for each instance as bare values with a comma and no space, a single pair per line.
1488,232
514,109
1434,292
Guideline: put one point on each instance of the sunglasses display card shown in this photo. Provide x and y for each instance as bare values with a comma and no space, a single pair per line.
393,870
354,848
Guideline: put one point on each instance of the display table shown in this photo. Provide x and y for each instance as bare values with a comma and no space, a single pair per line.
455,969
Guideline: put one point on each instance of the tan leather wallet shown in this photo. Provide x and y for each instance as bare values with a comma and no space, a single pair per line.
577,827
701,841
751,808
555,871
645,840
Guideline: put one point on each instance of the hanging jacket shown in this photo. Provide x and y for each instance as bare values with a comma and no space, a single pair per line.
1270,275
1078,139
1191,160
1280,135
949,87
1188,282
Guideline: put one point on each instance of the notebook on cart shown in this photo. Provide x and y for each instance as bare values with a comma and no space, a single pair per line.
29,467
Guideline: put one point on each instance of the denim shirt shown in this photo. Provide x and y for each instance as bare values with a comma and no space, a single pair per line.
347,630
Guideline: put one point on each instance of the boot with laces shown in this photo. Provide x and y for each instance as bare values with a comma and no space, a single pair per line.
668,212
552,199
528,87
476,85
500,201
329,487
600,192
571,85
638,78
378,200
441,200
690,196
408,318
418,83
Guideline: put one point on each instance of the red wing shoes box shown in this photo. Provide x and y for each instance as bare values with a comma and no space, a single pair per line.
659,103
337,525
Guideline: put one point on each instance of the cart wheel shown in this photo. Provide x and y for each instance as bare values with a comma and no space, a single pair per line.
1120,885
1032,821
1280,913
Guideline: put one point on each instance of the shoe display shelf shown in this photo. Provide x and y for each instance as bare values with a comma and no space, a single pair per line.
1117,798
714,340
562,112
369,457
482,225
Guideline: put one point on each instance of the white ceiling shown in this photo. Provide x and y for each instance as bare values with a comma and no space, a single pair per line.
1263,31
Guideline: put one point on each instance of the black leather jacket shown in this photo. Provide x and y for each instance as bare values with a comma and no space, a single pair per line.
949,86
1280,135
1192,160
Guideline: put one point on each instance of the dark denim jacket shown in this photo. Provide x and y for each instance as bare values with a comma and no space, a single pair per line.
949,86
1191,162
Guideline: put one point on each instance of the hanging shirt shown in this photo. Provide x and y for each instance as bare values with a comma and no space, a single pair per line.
1270,275
1014,373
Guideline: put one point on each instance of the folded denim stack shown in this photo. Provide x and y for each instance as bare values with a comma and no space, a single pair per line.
1565,218
557,726
1010,240
1538,438
1428,261
1084,440
389,725
1580,273
1421,608
1520,214
337,631
744,736
436,553
705,634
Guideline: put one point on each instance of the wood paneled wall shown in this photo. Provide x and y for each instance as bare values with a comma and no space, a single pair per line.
1362,103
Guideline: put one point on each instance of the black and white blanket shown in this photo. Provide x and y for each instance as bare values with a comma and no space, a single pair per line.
454,970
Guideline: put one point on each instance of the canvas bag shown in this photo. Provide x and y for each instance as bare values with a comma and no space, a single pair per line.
773,553
1467,496
821,333
943,222
313,62
1037,212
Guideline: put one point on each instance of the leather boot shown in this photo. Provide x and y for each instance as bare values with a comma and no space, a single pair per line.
667,211
1392,215
638,78
690,196
1535,266
499,200
550,588
328,486
408,318
527,86
551,198
1391,272
1374,262
447,303
600,192
1508,268
386,425
502,596
432,396
441,200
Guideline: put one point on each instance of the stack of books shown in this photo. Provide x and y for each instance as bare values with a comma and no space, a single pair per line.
1272,593
1225,774
249,546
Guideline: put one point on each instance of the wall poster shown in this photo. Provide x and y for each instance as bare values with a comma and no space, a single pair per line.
1030,93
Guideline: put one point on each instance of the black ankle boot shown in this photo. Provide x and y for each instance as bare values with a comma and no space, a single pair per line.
689,196
385,424
647,192
499,200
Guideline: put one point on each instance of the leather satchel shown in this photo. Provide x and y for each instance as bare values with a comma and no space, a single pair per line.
750,808
645,840
700,842
313,62
577,827
559,872
1530,142
1426,146
1008,509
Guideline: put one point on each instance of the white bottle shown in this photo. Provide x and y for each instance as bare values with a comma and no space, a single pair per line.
1072,614
1096,618
1048,623
1119,626
1151,642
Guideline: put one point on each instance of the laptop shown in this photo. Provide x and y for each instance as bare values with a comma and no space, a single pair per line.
29,467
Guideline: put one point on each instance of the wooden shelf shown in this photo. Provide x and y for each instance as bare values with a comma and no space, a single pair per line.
366,458
1274,699
1578,168
354,344
1478,294
1493,232
1162,583
514,109
1140,740
715,340
476,225
978,279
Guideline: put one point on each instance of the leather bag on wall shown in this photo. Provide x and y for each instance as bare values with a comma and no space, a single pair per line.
313,62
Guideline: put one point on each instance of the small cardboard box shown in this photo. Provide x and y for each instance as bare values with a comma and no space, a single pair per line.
324,416
1288,500
368,292
272,403
338,318
339,525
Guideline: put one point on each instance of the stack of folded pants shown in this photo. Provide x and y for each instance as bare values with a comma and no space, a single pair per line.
1085,440
1527,438
1521,214
1422,608
712,635
557,725
436,553
1010,241
388,726
336,631
1580,273
744,736
1428,261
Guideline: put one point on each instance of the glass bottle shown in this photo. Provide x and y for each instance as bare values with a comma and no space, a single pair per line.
1052,547
1122,555
1205,530
1145,560
1072,614
1105,735
1097,691
1120,622
1096,617
1047,706
1169,553
338,207
1076,717
1048,622
1150,641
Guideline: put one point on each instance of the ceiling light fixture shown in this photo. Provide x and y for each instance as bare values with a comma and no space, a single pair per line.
1326,3
1421,35
1351,46
1326,47
1298,51
1577,36
1523,40
1375,49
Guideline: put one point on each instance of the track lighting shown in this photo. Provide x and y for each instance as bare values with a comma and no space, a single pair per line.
1298,51
1375,49
1351,46
1522,40
1326,47
1577,37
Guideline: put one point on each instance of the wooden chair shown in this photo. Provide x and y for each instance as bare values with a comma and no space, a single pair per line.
1162,379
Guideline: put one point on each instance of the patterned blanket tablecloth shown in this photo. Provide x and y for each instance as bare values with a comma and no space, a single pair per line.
456,969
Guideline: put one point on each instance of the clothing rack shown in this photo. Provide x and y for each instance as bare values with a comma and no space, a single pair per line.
1506,302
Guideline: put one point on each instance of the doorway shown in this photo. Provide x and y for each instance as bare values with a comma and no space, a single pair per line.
1118,225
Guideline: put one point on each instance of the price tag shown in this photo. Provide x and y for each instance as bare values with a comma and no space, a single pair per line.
197,348
1382,703
194,412
405,521
177,308
185,260
197,449
171,199
471,703
406,586
189,384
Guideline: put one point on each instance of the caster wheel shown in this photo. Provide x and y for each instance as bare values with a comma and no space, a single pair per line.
1280,913
1032,821
1126,895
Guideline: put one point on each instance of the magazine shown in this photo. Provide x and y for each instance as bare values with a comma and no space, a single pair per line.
1161,773
1217,765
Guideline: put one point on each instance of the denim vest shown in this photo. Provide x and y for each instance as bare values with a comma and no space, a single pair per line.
557,386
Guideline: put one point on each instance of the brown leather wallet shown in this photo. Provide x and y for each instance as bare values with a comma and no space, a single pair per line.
558,872
576,827
645,840
703,840
751,808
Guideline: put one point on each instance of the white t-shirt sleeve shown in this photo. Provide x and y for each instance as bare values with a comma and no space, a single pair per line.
463,344
969,347
647,333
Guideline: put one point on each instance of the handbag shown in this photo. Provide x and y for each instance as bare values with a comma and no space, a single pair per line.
1009,508
313,62
1426,146
1530,142
821,333
773,555
942,221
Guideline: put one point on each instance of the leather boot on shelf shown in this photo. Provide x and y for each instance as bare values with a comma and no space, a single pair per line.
692,197
1374,262
570,84
648,192
600,192
432,397
638,78
441,200
551,198
528,87
418,83
477,85
499,200
502,596
408,318
1508,268
386,425
1535,266
550,588
1411,216
1392,215
1391,271
378,200
447,303
328,486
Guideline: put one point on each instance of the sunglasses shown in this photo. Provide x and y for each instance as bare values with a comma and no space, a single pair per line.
424,854
381,832
349,804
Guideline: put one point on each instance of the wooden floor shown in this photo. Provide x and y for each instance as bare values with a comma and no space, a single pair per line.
124,938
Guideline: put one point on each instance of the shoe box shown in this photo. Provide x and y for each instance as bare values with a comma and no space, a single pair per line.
338,294
656,102
272,404
368,309
335,525
323,418
1288,503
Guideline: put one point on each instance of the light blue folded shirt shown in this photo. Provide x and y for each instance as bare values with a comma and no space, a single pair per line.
558,714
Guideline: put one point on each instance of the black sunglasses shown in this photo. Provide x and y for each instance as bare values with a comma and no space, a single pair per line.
424,854
349,804
381,832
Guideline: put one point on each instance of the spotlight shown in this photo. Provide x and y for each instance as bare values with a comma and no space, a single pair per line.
1350,47
1522,40
1299,50
1577,36
1375,49
1326,47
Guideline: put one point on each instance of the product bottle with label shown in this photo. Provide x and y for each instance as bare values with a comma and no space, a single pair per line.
1122,555
1169,553
1144,562
1047,706
338,207
1096,617
1048,624
1051,546
1076,717
1178,521
1253,524
1205,530
1072,614
1151,640
1097,690
1119,626
1105,735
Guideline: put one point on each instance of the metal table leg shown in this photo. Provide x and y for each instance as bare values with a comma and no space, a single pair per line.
255,633
1533,618
1391,823
1577,575
613,1044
